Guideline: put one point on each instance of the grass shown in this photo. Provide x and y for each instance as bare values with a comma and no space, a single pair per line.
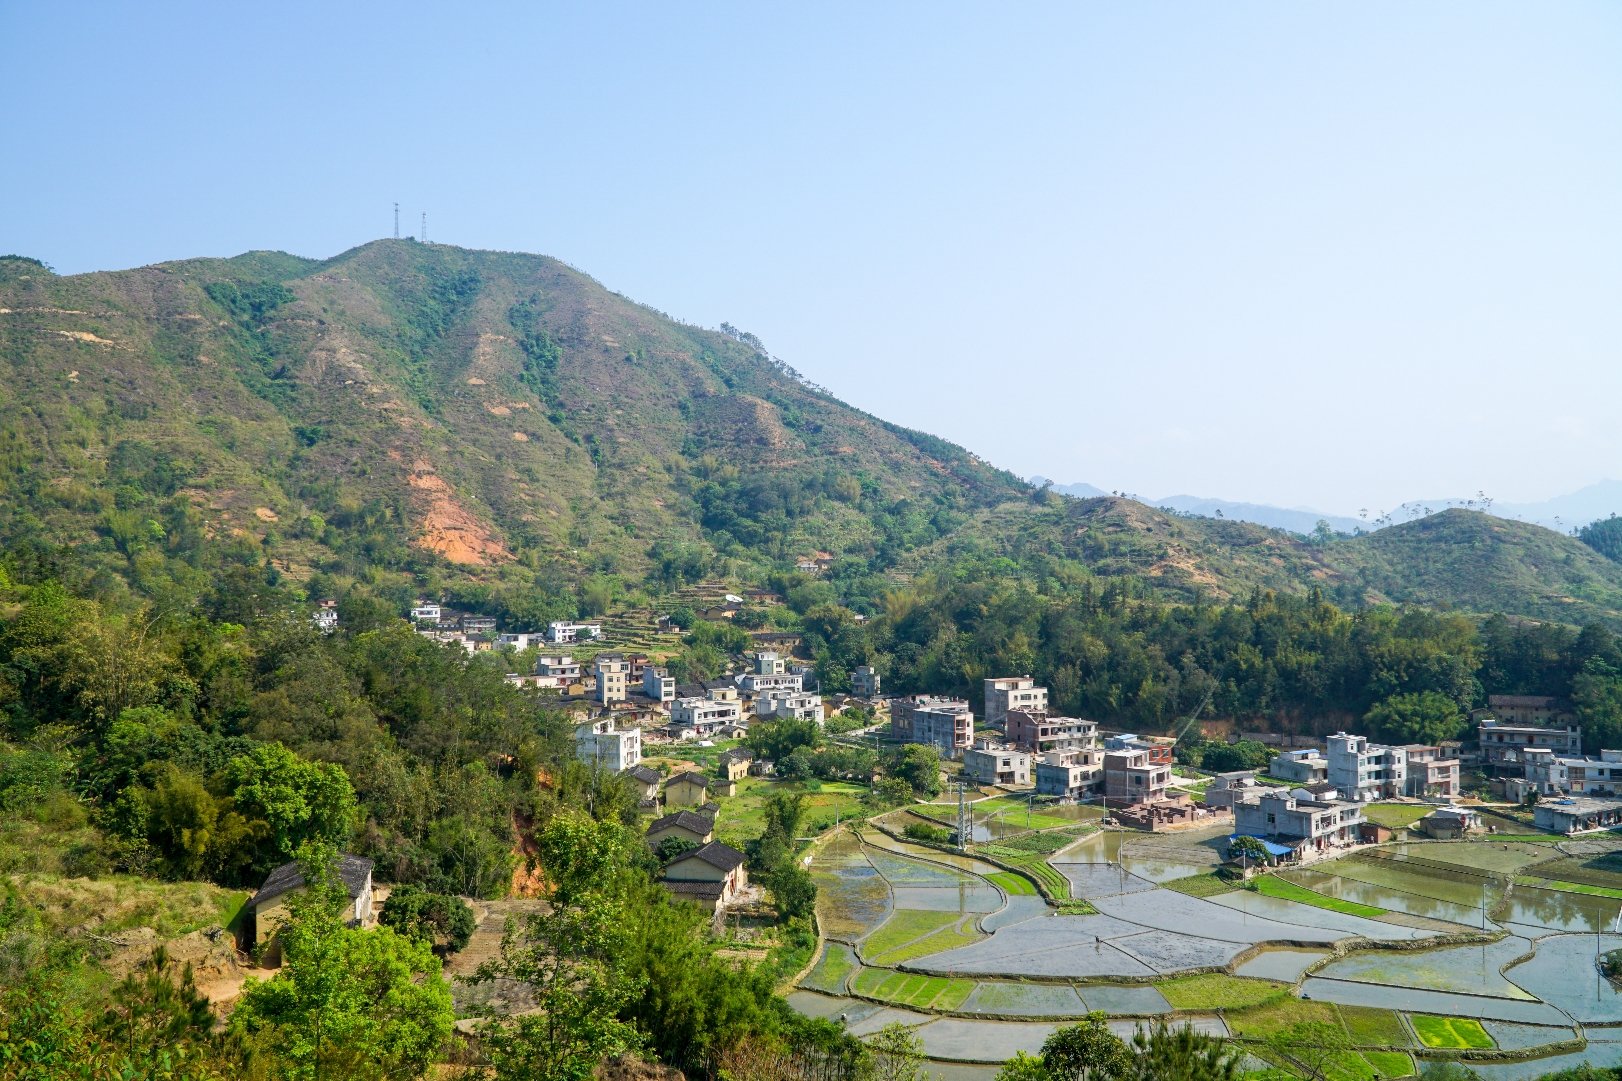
1450,1032
1279,1013
1270,886
1390,1064
1209,884
904,926
1371,1027
1015,885
1219,991
1077,906
1396,815
912,988
948,938
1568,887
743,817
832,972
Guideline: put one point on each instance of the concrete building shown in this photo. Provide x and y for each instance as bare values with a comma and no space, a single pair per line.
1362,771
1131,777
562,631
561,667
426,612
612,748
997,766
1503,745
783,705
658,684
1429,771
1577,814
1062,775
1303,824
1450,823
1040,734
613,675
758,682
1535,710
864,682
1012,692
1226,789
703,715
1302,767
1158,748
769,662
1550,774
944,723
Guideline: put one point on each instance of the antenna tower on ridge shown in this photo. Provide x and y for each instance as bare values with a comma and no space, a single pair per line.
396,221
424,236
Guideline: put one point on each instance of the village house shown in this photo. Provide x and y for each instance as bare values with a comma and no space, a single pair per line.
997,766
1504,745
560,666
269,904
686,825
1061,774
1131,776
731,730
1450,823
784,705
807,673
611,670
1550,774
944,723
520,640
658,685
1158,748
325,616
711,876
1301,767
473,624
1227,788
695,789
703,715
562,631
1304,825
864,682
734,764
1532,710
1577,814
1429,772
1012,692
601,742
425,612
1039,733
758,682
1363,771
646,781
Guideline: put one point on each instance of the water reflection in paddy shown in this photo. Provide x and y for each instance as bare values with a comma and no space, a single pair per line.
1284,965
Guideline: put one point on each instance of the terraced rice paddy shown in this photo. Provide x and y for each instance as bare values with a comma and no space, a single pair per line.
983,966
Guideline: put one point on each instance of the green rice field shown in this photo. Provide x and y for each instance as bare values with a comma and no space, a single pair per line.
1270,886
1450,1032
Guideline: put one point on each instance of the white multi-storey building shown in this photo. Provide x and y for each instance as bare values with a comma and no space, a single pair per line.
1362,771
609,747
702,715
799,705
563,631
658,685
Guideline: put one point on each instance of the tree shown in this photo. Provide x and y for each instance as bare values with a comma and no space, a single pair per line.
920,766
571,958
1448,1070
443,922
775,740
1023,1067
1251,850
1423,717
347,1003
897,1054
301,801
1180,1054
1596,692
671,848
1087,1051
162,1027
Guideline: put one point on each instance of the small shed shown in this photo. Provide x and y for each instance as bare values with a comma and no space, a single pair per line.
269,904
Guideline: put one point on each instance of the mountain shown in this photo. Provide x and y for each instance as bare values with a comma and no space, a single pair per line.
1294,519
501,426
1562,512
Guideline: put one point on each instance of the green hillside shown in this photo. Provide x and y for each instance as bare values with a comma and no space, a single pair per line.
426,417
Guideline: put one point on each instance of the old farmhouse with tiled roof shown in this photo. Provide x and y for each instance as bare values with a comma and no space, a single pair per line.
711,876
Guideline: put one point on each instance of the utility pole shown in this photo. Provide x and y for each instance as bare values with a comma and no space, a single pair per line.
964,817
396,221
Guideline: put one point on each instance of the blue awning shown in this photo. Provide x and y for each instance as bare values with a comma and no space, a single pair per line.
1272,849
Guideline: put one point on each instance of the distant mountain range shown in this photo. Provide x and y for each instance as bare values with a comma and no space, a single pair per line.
1562,513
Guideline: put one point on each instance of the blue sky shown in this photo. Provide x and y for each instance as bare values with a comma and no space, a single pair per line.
1333,255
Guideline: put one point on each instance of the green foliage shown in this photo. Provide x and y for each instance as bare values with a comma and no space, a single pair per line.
897,1054
918,765
1425,717
443,922
1604,536
923,831
1023,1067
346,1002
1164,1053
302,802
776,740
1086,1051
1313,1047
1228,757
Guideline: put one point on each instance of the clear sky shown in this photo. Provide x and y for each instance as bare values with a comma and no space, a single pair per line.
1335,255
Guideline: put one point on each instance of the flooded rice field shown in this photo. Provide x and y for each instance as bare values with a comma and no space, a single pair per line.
930,909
